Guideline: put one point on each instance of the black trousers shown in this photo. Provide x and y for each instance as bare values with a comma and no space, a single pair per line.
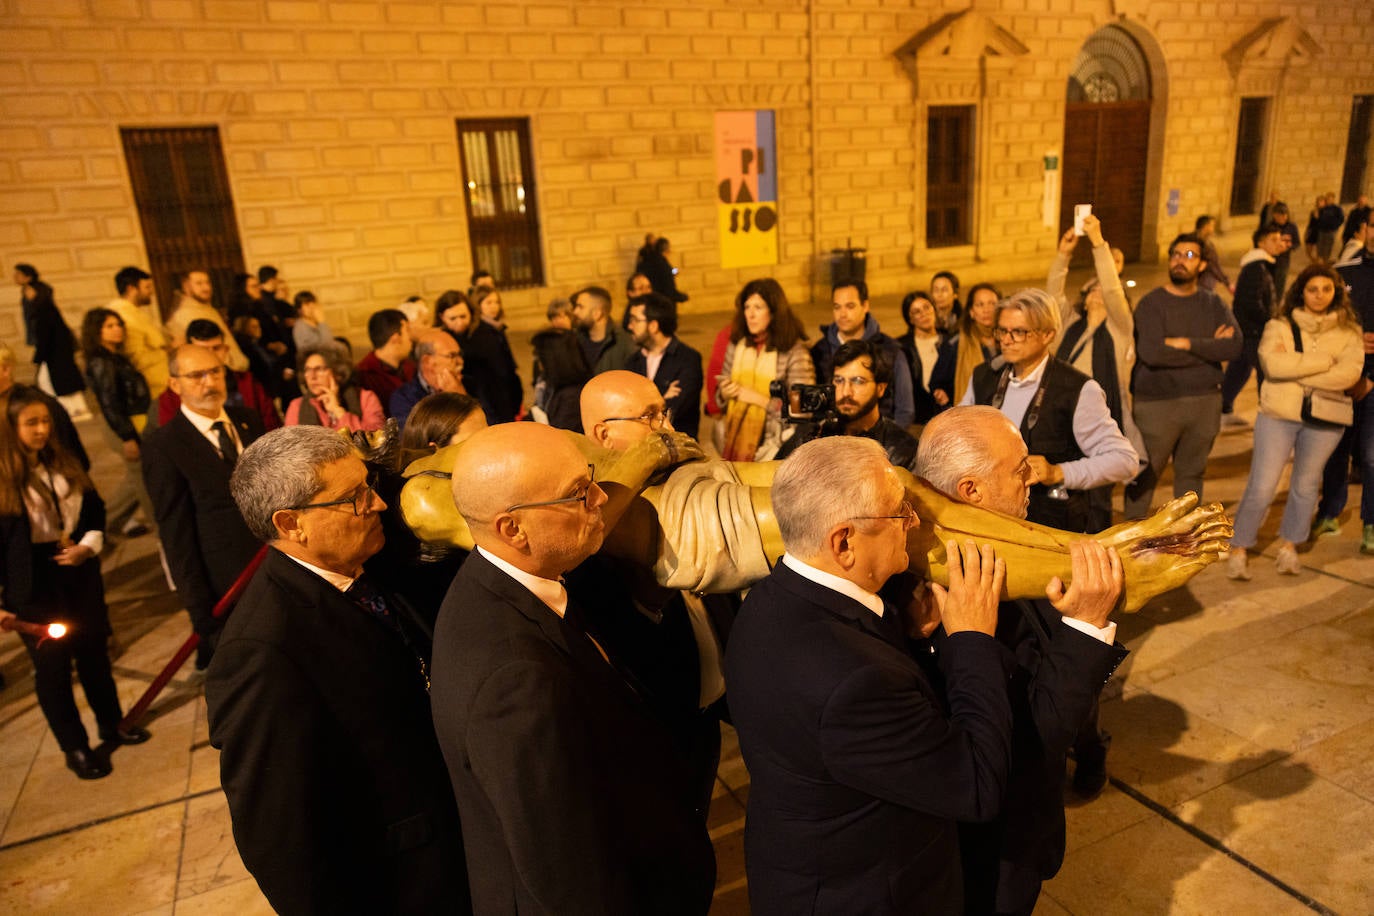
73,595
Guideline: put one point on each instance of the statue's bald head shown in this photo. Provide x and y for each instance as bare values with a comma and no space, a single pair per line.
620,394
518,463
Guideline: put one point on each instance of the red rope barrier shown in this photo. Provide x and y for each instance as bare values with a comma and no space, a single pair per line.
222,607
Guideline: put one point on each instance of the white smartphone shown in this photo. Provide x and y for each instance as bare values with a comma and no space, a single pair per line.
1080,211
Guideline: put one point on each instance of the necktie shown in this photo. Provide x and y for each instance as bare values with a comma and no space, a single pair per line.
227,449
370,600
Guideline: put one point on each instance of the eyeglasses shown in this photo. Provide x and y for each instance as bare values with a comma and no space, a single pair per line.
317,370
907,516
583,496
202,376
360,499
655,417
857,381
1018,335
1184,255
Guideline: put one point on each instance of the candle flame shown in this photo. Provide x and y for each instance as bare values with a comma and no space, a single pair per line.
57,630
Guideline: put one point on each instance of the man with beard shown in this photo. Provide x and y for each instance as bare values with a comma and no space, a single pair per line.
1183,334
673,367
605,345
854,321
861,377
195,299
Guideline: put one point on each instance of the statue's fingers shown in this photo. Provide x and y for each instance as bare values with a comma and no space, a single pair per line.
1180,506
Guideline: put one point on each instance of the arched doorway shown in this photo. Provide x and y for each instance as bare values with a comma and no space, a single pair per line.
1107,136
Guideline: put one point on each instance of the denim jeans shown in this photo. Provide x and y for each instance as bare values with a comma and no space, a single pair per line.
1358,439
1275,442
1238,373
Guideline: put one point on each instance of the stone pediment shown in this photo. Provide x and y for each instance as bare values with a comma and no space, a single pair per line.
1272,45
965,37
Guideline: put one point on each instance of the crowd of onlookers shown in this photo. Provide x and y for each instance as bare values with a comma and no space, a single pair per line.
1083,390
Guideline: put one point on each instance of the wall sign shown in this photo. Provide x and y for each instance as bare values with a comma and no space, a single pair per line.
747,188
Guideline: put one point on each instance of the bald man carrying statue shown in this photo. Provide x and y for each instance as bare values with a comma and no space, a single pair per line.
707,525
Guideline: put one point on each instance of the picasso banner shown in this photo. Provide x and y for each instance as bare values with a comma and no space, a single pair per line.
747,188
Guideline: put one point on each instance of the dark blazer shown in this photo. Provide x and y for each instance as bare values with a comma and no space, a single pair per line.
857,772
572,801
683,364
17,568
337,790
1059,673
205,538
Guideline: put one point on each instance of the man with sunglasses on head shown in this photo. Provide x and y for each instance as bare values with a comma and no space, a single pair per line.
186,467
574,798
318,701
1182,336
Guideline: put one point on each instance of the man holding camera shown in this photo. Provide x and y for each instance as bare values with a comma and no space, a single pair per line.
862,375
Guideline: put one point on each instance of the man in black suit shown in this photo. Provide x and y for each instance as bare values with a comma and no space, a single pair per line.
186,467
673,367
573,801
1065,651
336,786
858,772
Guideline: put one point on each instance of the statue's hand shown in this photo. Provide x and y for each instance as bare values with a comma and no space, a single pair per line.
1163,551
655,452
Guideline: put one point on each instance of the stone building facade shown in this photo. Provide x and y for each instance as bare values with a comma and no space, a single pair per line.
336,122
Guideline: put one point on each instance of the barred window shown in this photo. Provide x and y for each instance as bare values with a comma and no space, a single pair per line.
498,187
949,175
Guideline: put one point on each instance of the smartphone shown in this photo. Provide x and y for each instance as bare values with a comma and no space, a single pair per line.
1080,211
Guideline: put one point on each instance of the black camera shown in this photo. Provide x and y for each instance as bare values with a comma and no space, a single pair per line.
804,403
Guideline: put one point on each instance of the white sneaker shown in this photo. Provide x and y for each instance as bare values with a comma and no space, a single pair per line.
1287,561
1233,421
1236,565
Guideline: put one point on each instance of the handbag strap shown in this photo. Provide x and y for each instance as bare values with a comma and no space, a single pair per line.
1297,334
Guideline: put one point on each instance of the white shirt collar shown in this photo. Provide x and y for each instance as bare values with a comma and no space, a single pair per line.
342,583
204,424
549,591
1032,377
834,583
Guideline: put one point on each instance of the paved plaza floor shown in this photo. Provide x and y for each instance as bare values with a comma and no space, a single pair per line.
1242,762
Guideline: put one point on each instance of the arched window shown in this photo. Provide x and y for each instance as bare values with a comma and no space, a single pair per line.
1110,67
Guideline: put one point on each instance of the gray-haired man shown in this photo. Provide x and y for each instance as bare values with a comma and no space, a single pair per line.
318,704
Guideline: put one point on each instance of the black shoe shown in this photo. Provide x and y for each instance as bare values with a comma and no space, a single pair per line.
203,655
86,765
1090,778
134,734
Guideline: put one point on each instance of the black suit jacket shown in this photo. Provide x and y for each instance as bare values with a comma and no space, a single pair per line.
17,568
1059,673
859,768
205,538
683,364
338,792
572,801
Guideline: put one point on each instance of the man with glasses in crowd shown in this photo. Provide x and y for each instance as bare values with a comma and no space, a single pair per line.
673,367
862,375
573,796
318,701
1182,335
186,467
1077,451
440,369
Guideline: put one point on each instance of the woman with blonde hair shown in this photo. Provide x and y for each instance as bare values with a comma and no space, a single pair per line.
767,343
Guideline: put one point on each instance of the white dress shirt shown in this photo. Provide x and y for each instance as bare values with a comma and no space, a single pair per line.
205,426
834,583
549,591
342,583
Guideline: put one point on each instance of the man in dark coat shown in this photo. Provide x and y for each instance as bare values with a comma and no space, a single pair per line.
337,790
186,467
673,367
860,764
573,801
1065,651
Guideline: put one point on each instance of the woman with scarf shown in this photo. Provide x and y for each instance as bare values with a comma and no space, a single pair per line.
767,343
975,343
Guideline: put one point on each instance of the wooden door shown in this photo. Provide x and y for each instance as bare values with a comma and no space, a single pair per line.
181,188
1106,151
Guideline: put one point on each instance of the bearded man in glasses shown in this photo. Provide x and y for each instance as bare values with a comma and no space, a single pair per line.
318,700
1182,336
